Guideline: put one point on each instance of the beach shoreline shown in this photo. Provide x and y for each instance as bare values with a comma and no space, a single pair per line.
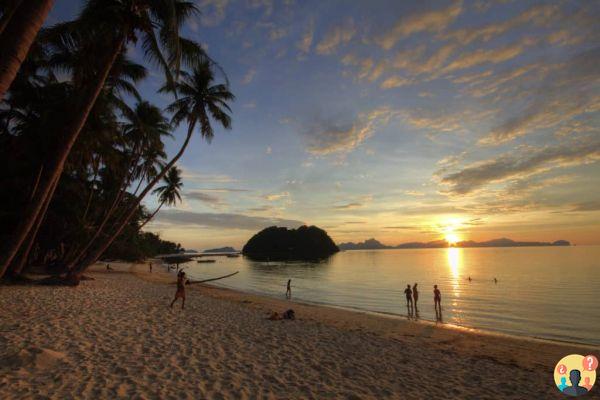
115,337
387,325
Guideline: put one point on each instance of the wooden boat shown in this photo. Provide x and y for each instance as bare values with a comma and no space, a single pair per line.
207,261
233,255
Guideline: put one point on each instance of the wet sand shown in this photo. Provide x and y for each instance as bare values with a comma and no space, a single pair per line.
115,337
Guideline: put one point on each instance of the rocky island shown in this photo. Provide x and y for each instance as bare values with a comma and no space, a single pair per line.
226,249
279,243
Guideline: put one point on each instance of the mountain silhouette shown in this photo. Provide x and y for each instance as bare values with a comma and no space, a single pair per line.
373,244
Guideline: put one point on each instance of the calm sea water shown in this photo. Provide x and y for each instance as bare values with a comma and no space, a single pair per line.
547,292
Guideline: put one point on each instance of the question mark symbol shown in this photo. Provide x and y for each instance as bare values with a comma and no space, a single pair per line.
590,363
562,369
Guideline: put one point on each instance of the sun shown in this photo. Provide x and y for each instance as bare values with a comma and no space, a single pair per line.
451,238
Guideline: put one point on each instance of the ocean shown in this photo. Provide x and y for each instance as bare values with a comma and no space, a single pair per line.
544,292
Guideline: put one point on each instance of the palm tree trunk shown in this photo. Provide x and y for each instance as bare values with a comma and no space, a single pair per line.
123,188
95,165
150,217
36,183
57,159
9,10
17,37
75,275
20,264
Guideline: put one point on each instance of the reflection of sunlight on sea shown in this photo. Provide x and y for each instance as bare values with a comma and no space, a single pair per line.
454,258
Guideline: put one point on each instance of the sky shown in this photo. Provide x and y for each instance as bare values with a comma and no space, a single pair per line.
402,121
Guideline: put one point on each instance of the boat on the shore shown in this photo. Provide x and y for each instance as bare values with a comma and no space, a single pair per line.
206,261
233,255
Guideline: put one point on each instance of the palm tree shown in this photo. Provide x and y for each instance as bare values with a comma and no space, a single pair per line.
103,31
143,131
200,100
168,193
21,21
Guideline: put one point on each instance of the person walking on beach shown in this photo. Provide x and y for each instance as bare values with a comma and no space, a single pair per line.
150,264
437,301
180,289
288,292
409,301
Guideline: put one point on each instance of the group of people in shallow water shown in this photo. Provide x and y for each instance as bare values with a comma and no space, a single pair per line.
412,298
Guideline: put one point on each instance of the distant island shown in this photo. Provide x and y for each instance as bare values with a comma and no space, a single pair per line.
226,249
278,243
373,244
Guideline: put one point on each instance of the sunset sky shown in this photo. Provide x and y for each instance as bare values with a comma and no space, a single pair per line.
403,121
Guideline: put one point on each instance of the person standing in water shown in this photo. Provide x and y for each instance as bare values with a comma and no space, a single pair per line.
415,294
437,301
288,292
180,289
409,301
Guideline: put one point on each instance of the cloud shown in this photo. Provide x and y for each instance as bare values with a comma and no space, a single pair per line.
190,175
438,121
277,33
593,205
524,187
364,65
428,21
413,193
514,165
249,77
266,5
394,82
359,203
335,37
566,91
536,15
307,38
225,190
213,11
222,220
484,56
348,206
276,196
209,199
339,138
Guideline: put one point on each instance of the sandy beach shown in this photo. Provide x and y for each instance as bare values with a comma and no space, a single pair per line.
115,337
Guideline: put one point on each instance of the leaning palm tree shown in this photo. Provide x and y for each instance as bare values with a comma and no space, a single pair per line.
19,25
103,31
200,100
168,193
143,131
